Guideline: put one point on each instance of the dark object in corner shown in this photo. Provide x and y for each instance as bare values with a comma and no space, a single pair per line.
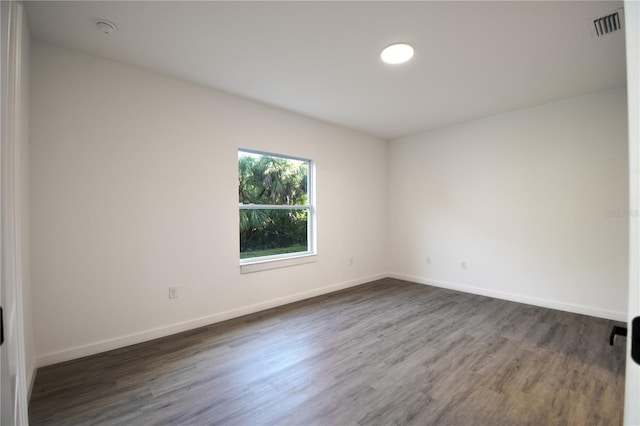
635,340
617,330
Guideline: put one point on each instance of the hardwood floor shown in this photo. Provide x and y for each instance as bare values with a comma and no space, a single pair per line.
387,352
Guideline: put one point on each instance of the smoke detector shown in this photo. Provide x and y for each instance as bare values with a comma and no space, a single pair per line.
105,26
607,24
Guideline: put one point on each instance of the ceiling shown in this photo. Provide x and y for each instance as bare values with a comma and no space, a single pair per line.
321,59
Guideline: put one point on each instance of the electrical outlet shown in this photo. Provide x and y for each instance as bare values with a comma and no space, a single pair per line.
428,259
463,265
173,292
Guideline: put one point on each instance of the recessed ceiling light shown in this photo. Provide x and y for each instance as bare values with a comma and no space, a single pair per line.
397,53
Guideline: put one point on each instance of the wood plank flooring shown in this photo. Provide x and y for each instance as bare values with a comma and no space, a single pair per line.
387,352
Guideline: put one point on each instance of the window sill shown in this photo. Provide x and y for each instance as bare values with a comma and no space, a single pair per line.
248,267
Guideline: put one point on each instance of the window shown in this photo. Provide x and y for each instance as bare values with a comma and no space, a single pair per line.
275,206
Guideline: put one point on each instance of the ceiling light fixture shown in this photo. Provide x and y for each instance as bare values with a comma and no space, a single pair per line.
397,53
105,26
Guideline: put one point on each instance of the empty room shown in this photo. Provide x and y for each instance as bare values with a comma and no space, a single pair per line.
320,213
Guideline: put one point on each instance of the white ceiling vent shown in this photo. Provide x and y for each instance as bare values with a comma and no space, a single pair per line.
607,24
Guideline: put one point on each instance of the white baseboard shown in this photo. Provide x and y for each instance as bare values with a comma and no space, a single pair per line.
529,300
132,339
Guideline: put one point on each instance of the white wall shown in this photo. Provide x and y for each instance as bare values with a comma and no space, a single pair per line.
535,201
134,189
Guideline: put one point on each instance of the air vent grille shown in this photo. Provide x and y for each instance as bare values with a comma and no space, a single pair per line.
607,24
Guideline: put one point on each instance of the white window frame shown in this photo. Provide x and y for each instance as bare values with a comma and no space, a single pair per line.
255,264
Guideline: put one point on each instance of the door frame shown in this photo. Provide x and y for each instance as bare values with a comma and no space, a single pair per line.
12,353
632,372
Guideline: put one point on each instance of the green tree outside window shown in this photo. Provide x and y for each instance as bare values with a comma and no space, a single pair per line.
274,206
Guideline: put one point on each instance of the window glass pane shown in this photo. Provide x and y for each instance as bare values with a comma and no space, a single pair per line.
268,179
270,232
